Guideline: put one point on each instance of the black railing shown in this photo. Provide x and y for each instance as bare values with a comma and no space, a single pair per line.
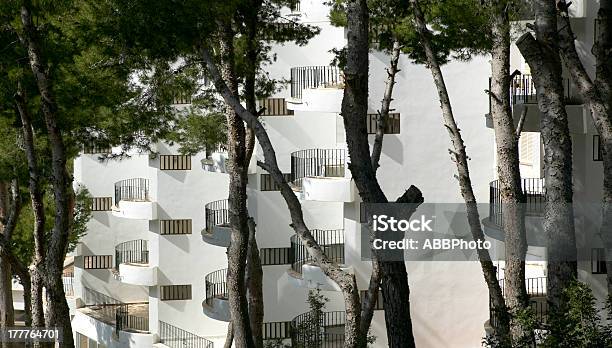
318,329
276,330
316,162
534,190
136,189
536,289
175,337
133,251
522,90
331,242
216,214
216,286
116,312
313,77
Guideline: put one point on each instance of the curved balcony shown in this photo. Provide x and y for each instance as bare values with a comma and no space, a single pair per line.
318,329
320,175
216,304
534,190
316,88
536,290
217,231
304,272
133,201
132,262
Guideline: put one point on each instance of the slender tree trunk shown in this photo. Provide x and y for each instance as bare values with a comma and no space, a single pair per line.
508,169
59,312
345,281
254,281
383,115
542,55
229,338
459,156
38,209
7,311
597,95
236,146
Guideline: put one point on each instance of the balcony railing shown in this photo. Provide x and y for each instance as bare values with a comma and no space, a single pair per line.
316,162
135,190
313,77
318,329
536,289
534,191
133,251
124,316
522,90
331,242
175,337
217,214
216,286
68,281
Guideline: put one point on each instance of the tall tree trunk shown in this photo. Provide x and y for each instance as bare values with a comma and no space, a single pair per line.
597,95
7,311
229,338
459,156
385,107
393,275
508,169
345,281
238,214
59,312
542,55
38,209
254,282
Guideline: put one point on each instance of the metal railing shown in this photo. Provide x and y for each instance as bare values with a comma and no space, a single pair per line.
536,289
133,251
216,286
68,282
216,214
313,77
115,311
534,190
136,189
318,329
175,337
331,242
317,162
522,90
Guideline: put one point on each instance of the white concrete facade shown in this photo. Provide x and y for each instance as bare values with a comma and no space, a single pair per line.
449,300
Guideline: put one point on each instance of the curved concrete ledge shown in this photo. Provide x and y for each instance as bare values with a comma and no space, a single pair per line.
218,309
220,236
106,334
137,210
328,189
318,100
138,274
534,227
312,277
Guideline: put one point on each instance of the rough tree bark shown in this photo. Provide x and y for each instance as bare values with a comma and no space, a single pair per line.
459,156
345,281
597,95
38,209
10,206
238,214
254,283
508,170
59,312
393,275
542,55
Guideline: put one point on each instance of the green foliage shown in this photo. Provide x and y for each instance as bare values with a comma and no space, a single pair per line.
195,133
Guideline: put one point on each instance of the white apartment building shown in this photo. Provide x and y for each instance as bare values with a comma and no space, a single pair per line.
150,272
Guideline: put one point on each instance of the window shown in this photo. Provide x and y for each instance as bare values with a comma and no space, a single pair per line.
174,162
527,143
379,299
101,203
598,261
393,123
168,227
597,149
175,292
98,262
276,256
267,183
